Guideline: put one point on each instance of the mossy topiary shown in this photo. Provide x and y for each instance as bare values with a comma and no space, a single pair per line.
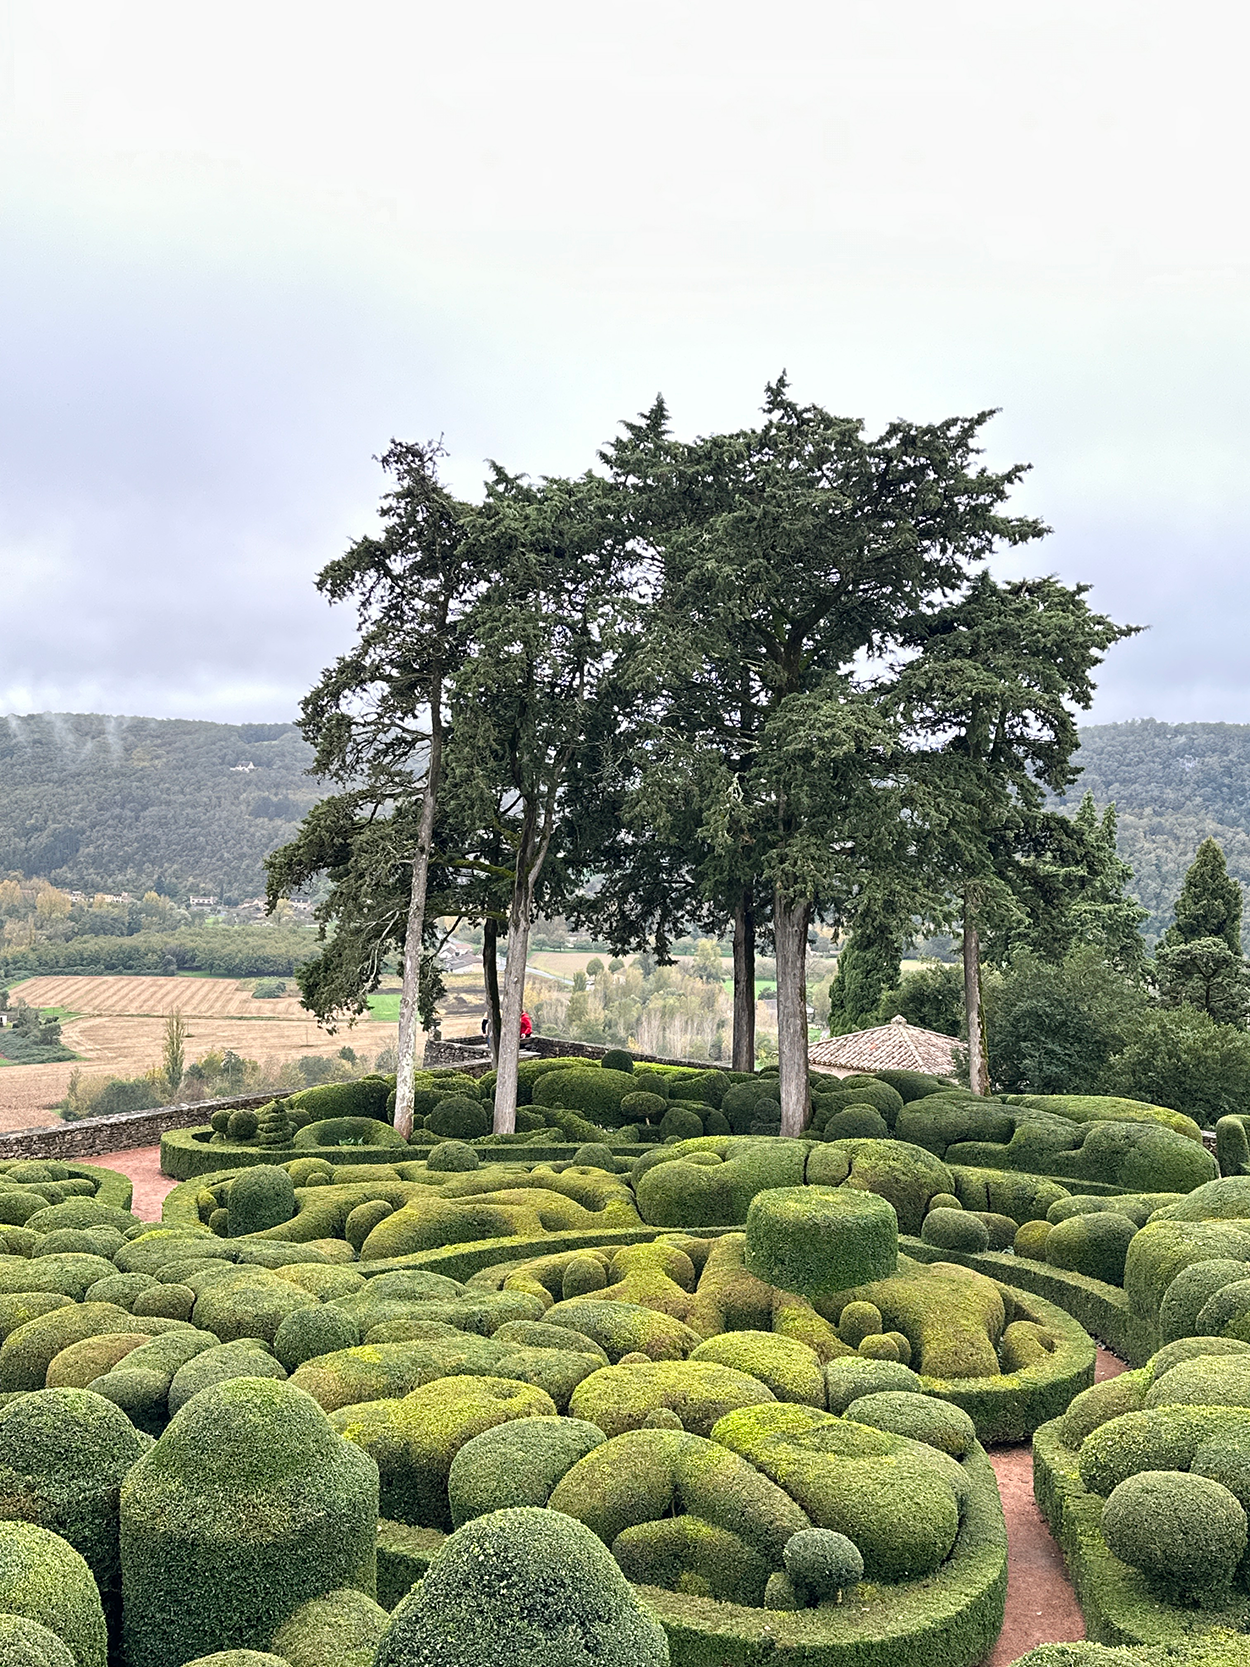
621,1328
517,1463
595,1155
166,1302
348,1131
895,1499
1205,1380
618,1398
955,1230
63,1455
1030,1240
711,1182
246,1358
528,1587
338,1629
919,1417
848,1379
260,1197
617,1059
24,1643
26,1353
822,1563
785,1366
414,1440
294,1516
43,1578
816,1240
310,1332
1093,1245
859,1320
453,1157
248,1302
1186,1532
903,1174
364,1218
680,1122
591,1090
79,1365
643,1106
458,1118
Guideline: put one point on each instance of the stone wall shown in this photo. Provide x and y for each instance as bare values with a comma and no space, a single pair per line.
90,1136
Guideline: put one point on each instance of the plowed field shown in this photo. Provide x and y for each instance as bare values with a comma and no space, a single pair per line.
157,997
122,1023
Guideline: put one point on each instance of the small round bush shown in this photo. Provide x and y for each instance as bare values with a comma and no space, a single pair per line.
878,1347
1001,1229
847,1378
453,1157
1191,1290
859,1320
43,1578
260,1197
822,1563
458,1118
516,1464
944,1201
242,1125
901,1344
529,1587
680,1122
616,1059
819,1240
594,1155
582,1275
1093,1245
24,1643
643,1107
311,1332
919,1417
955,1230
1030,1240
1186,1531
341,1629
165,1302
856,1123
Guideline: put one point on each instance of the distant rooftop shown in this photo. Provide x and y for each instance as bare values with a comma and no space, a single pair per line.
897,1046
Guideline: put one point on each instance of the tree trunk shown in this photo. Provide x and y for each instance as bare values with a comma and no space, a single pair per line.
490,974
978,1067
744,982
414,935
790,935
513,997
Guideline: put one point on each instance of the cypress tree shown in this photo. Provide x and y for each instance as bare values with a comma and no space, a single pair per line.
1199,963
1209,905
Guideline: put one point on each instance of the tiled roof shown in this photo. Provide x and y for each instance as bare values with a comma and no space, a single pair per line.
897,1046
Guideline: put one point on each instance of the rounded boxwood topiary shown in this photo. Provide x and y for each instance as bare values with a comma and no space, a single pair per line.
341,1629
452,1157
311,1332
680,1122
43,1578
859,1320
63,1455
955,1230
822,1563
819,1240
516,1464
24,1643
919,1417
848,1378
1186,1531
294,1515
364,1218
643,1107
1093,1245
1191,1290
348,1131
241,1126
1030,1240
526,1586
458,1118
617,1059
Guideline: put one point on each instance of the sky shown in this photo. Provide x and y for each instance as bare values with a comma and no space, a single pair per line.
244,245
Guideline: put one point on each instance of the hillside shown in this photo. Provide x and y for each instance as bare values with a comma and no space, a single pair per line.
96,803
1173,785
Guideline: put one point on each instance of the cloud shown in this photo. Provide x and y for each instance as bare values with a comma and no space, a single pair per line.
243,246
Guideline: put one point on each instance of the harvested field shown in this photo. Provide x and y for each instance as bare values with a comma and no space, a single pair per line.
122,1025
193,997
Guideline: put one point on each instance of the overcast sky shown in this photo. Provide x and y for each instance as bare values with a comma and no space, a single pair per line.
242,245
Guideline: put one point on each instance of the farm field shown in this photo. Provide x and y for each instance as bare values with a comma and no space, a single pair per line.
120,1022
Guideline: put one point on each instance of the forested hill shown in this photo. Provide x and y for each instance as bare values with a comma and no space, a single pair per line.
1172,784
97,803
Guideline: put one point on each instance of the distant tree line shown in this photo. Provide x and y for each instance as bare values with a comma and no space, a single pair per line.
735,685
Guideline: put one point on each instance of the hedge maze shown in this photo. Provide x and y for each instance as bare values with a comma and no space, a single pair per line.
642,1384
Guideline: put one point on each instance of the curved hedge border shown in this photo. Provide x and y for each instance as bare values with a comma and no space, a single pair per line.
187,1157
113,1188
950,1618
1117,1605
1101,1309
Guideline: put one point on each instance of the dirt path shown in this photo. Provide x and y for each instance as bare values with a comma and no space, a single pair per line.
1041,1605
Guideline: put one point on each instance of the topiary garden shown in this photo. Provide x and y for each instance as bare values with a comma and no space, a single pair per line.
634,1393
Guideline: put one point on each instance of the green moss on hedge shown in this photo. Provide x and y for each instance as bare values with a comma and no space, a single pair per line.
43,1578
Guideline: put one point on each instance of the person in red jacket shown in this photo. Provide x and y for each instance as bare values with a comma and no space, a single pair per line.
527,1028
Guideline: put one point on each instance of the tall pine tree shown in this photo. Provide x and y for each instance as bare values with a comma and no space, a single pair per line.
1199,962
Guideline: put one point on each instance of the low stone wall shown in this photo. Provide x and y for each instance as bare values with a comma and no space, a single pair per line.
91,1136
